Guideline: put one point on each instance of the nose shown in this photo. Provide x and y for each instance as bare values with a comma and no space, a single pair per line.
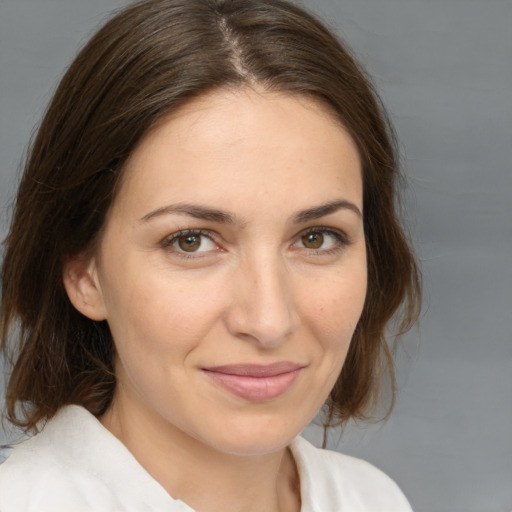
262,308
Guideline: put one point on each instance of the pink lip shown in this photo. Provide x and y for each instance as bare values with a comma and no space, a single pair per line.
255,382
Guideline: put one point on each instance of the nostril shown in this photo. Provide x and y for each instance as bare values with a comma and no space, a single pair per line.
262,308
266,323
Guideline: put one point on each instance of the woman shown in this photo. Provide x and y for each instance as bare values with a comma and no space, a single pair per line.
204,251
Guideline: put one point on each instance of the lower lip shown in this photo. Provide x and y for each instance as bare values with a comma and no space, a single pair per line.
255,389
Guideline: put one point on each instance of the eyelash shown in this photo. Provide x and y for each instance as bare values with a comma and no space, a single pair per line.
341,238
168,241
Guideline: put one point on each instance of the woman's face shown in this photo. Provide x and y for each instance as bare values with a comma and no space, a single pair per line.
232,269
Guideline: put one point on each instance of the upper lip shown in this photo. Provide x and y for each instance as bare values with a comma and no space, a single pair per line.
256,370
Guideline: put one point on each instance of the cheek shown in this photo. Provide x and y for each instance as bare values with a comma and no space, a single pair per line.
337,305
331,311
154,330
155,315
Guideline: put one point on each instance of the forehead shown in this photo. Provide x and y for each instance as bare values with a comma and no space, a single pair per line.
254,144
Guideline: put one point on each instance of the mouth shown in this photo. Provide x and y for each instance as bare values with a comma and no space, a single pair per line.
253,382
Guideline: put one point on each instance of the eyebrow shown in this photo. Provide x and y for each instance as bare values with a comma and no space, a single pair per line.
192,210
325,209
223,217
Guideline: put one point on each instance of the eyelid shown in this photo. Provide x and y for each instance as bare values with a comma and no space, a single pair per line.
339,233
168,241
341,237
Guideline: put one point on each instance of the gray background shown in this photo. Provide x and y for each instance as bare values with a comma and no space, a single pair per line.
444,68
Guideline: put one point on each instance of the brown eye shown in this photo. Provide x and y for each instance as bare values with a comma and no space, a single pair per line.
313,240
189,243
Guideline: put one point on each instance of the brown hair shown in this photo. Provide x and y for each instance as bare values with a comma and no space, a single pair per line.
147,61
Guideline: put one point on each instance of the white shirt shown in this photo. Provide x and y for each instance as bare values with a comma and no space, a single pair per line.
76,465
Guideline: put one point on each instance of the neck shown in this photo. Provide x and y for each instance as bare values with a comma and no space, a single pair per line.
204,478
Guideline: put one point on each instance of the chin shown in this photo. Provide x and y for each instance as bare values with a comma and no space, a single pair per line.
261,436
252,447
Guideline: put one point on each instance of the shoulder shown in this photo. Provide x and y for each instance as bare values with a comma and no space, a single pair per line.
41,470
76,464
334,481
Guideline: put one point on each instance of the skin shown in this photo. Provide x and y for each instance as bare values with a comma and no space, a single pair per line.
268,286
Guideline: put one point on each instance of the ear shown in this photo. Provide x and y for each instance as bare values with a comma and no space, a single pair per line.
80,278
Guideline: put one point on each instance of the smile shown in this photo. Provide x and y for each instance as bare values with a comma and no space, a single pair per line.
255,383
